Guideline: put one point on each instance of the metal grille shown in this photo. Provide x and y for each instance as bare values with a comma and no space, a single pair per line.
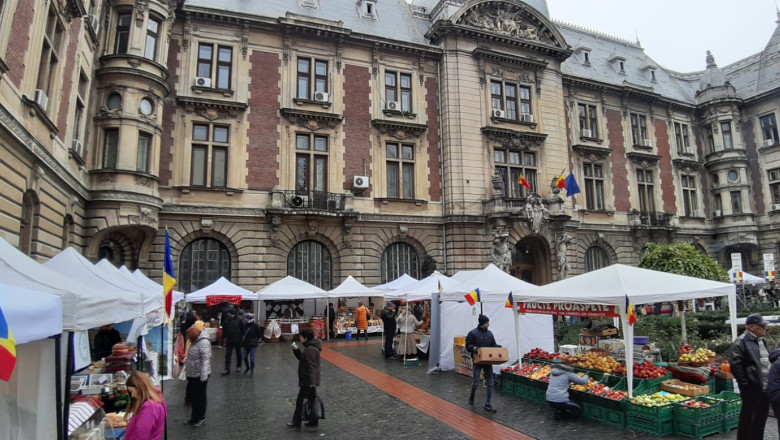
399,259
310,261
202,262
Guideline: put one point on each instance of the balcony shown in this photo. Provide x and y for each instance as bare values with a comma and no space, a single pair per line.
652,219
307,200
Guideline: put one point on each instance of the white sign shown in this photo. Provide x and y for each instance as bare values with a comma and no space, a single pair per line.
769,262
736,262
81,353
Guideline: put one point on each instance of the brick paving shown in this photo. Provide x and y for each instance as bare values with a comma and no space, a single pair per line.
367,396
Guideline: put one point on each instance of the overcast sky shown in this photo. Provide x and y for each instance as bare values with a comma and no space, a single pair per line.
678,33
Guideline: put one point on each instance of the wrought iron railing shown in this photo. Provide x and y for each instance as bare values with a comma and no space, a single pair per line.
661,219
319,200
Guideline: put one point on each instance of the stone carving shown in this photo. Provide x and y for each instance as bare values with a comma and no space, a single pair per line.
498,187
535,212
505,19
502,256
561,243
141,6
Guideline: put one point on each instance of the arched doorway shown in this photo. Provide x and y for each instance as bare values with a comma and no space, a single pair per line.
531,261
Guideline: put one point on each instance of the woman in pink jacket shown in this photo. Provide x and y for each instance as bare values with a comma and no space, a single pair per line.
147,409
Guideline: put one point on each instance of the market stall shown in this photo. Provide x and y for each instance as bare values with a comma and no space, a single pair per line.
290,289
216,293
345,316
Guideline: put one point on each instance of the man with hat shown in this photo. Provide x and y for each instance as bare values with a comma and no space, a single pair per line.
388,316
750,367
476,339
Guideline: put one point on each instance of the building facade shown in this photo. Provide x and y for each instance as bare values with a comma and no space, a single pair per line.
327,138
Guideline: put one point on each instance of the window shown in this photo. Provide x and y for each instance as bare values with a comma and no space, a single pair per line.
732,175
638,128
622,67
311,162
682,138
728,142
645,181
78,117
110,147
310,261
652,75
144,149
400,171
595,258
210,143
114,101
26,223
587,57
594,186
588,121
398,87
152,36
224,64
202,262
50,53
399,259
717,202
690,205
774,185
122,38
511,165
308,76
513,99
111,250
146,106
710,137
769,128
736,202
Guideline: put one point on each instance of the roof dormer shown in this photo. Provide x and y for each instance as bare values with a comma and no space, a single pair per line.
582,53
618,62
649,71
367,9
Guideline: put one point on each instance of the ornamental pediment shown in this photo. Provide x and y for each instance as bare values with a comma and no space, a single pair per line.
514,139
507,19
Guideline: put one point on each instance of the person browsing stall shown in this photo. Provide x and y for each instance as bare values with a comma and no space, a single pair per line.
147,409
406,325
361,320
252,335
308,374
558,391
388,321
478,338
198,372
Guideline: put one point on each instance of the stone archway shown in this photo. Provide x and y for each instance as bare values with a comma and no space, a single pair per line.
531,261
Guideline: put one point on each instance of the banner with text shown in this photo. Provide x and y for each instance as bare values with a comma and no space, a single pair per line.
569,309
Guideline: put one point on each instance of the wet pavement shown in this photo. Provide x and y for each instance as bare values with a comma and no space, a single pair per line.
366,396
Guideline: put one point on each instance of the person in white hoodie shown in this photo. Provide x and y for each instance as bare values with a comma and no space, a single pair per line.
558,391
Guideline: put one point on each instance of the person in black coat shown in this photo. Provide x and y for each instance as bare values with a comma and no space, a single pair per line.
105,339
308,374
750,367
249,341
388,320
773,384
232,332
476,339
331,320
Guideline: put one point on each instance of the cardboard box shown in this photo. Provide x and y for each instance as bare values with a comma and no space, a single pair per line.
462,360
686,389
589,340
607,332
491,356
612,345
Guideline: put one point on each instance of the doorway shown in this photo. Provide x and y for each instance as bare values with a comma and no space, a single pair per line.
530,261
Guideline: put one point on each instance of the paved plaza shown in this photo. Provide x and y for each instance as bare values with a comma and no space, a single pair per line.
366,396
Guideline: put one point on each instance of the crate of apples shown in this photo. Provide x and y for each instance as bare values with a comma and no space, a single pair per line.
695,404
648,370
607,392
538,353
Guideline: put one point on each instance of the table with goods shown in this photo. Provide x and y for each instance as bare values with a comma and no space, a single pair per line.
693,397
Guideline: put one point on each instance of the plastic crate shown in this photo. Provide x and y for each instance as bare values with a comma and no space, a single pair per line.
507,386
700,428
690,414
723,385
730,403
537,395
651,385
616,383
538,384
729,423
605,416
520,389
661,413
711,384
657,428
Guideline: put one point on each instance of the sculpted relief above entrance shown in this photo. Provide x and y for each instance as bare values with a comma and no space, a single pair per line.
507,19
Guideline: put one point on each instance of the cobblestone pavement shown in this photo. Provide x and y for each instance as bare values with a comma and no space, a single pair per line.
258,407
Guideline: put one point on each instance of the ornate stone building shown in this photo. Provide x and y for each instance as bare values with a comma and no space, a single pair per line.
326,138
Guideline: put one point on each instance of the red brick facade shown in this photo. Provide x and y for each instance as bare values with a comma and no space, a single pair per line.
19,42
357,125
434,158
169,116
68,78
618,158
262,148
665,172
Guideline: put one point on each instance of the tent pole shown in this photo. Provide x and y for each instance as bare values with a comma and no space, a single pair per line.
58,382
68,375
516,317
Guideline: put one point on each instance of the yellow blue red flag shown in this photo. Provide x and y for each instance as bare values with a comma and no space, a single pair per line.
630,311
473,297
168,277
7,349
510,302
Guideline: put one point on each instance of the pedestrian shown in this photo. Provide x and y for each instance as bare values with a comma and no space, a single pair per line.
249,342
147,409
308,374
558,391
105,339
773,384
232,331
478,338
198,372
406,323
389,325
750,367
331,320
361,320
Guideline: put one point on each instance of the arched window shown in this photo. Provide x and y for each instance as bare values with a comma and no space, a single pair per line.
202,262
399,259
310,261
595,258
26,223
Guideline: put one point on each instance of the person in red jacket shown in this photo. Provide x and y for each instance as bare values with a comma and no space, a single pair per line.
147,409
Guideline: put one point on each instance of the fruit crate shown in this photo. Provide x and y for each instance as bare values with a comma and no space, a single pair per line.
651,385
723,385
730,405
690,414
729,423
616,383
606,416
520,389
711,384
507,384
660,413
537,384
654,427
537,395
698,428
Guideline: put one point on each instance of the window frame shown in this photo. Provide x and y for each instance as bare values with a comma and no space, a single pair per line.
311,78
509,171
51,54
109,134
146,166
316,163
596,257
401,94
215,258
154,35
736,202
646,190
773,178
214,65
639,131
587,115
770,128
594,185
209,146
405,168
512,103
397,259
308,253
122,30
689,195
682,138
727,135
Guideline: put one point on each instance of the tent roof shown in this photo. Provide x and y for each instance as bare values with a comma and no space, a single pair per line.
422,289
494,285
748,278
220,287
463,275
351,287
290,288
32,315
403,280
138,275
610,285
153,297
84,306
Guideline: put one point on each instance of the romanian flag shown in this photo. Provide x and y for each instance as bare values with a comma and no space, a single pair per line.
521,180
168,278
769,275
510,302
7,349
736,277
472,297
440,288
560,182
630,311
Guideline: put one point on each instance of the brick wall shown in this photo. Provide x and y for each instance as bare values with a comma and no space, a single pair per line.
19,43
434,159
666,175
357,124
69,77
262,148
169,115
618,158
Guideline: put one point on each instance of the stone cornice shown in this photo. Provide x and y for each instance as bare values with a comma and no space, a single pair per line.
514,139
591,152
400,219
399,130
644,160
687,165
211,210
508,58
125,196
16,129
627,89
311,120
211,109
125,73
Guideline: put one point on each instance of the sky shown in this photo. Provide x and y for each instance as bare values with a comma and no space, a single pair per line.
678,33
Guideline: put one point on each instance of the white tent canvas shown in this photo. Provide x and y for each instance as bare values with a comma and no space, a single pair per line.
422,290
153,298
747,278
31,314
464,275
220,287
493,283
349,288
403,280
290,288
138,275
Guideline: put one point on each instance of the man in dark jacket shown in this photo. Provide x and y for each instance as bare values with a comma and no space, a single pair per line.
232,332
389,325
331,320
249,341
750,367
476,339
773,384
308,374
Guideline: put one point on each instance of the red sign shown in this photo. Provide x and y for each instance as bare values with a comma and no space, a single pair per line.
569,309
213,300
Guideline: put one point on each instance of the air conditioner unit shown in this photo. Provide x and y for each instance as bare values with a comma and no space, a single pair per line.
776,207
203,82
768,142
393,105
360,182
587,133
498,113
300,201
41,99
77,147
717,213
94,23
647,142
321,96
527,117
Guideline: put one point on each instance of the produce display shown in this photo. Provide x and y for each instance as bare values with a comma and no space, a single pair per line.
657,399
605,391
523,369
695,404
594,360
700,355
540,373
648,370
591,383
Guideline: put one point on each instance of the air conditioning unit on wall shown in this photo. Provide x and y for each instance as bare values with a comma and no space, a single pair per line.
587,133
527,117
717,213
393,105
647,142
498,113
776,207
321,96
768,142
299,201
41,99
203,82
94,23
77,147
360,182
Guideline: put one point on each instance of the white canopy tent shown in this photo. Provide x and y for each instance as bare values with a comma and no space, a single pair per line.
290,288
421,290
219,288
26,407
403,280
143,279
748,278
616,284
153,297
351,287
